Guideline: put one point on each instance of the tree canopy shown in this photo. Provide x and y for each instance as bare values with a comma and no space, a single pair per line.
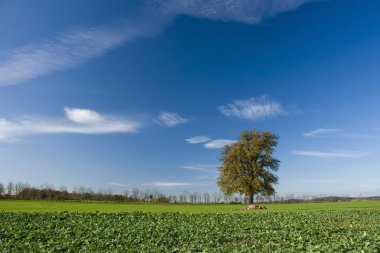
248,165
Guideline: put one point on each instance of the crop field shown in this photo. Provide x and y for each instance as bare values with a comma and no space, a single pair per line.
297,231
47,226
72,206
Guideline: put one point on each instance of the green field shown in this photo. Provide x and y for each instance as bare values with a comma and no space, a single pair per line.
71,206
312,231
32,226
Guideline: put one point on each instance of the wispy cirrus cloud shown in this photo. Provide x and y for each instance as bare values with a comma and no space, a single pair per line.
170,184
253,109
72,48
203,171
67,50
76,121
201,167
313,181
321,132
119,185
374,134
332,154
170,119
219,143
207,143
198,139
243,11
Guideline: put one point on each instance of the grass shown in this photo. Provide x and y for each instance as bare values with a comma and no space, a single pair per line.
346,205
72,206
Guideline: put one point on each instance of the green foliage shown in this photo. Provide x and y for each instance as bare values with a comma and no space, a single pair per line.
111,207
248,164
314,231
60,206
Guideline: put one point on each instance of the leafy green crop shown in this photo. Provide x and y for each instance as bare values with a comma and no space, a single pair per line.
318,231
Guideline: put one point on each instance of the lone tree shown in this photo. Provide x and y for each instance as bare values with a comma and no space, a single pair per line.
248,165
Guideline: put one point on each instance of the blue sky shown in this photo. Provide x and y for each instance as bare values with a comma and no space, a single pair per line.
144,93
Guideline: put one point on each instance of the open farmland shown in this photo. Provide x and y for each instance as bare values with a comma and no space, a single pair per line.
112,207
297,231
42,226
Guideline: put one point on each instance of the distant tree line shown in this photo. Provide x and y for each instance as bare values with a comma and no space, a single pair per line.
24,191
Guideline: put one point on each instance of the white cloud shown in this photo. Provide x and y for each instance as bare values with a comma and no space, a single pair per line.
219,143
198,139
200,167
244,11
333,154
120,185
83,116
321,132
66,51
79,121
170,184
170,119
362,136
72,48
253,109
313,181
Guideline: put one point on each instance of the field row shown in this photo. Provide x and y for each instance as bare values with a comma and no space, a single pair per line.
313,231
76,206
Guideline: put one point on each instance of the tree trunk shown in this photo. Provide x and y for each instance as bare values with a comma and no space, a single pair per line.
250,199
